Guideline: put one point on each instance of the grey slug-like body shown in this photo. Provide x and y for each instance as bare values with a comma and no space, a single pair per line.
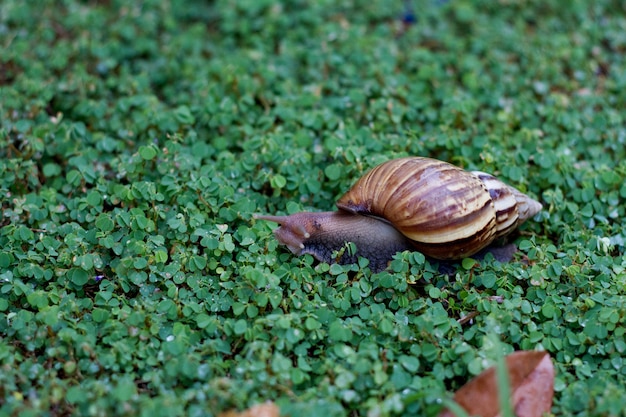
412,203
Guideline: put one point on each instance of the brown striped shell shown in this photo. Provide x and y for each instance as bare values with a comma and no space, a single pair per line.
447,212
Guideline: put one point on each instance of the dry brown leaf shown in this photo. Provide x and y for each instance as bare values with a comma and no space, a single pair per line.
531,376
268,409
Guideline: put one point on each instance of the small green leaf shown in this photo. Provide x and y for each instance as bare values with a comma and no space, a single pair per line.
278,181
105,223
140,263
525,245
410,363
386,325
199,262
338,332
184,116
78,276
125,389
203,320
23,125
434,292
488,279
99,315
468,263
73,177
160,256
37,299
336,269
51,169
311,324
76,395
5,259
147,152
94,198
333,172
240,327
85,262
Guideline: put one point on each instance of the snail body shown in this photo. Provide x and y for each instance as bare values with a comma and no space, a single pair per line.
411,203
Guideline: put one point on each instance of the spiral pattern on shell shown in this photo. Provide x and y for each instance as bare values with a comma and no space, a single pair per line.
447,212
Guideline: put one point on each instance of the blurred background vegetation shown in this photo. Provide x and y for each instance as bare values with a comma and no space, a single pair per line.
137,140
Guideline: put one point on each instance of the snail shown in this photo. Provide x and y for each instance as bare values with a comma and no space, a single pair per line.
412,203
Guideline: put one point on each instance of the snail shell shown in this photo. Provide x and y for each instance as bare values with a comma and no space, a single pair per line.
438,209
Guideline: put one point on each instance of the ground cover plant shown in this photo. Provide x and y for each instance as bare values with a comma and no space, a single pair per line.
138,139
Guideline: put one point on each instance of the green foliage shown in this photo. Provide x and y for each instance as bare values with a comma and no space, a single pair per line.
137,141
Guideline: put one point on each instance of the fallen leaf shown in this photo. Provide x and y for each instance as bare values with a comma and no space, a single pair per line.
531,377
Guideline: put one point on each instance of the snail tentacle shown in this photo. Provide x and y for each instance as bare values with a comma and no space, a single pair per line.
292,233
